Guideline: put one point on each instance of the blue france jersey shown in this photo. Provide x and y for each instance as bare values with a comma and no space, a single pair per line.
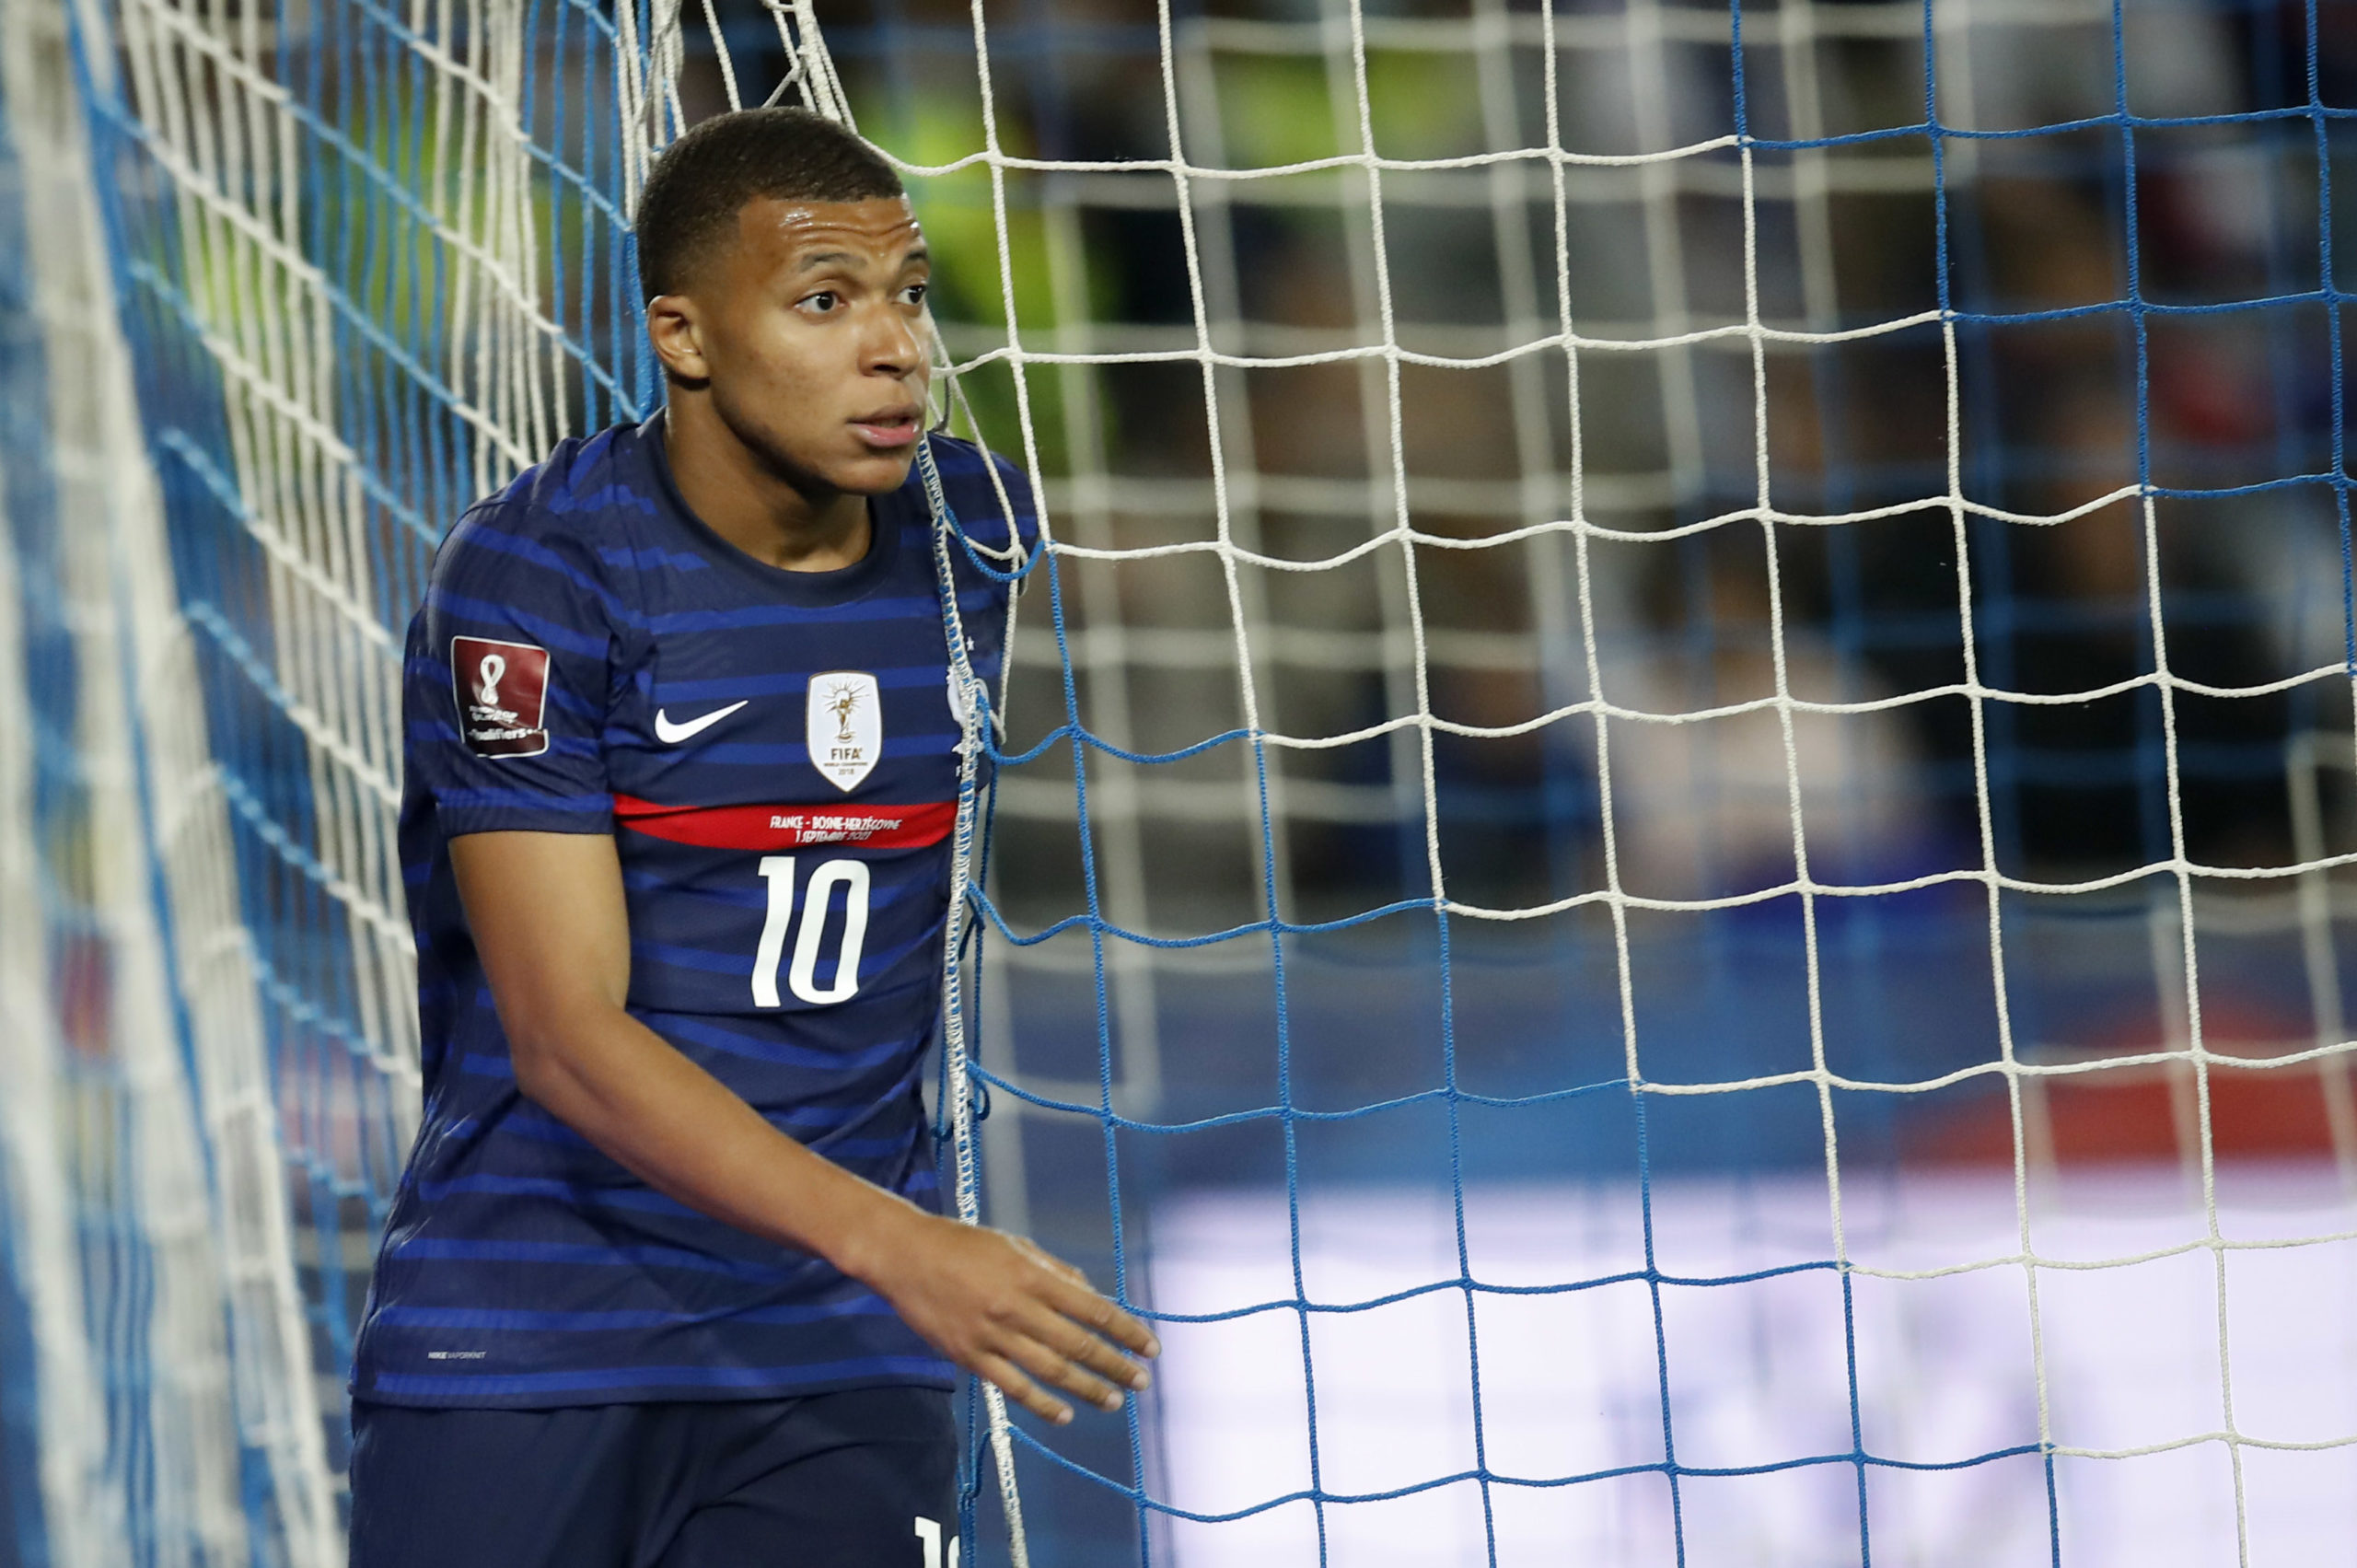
774,753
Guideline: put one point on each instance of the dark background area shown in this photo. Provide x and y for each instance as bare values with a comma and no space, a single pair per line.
2132,305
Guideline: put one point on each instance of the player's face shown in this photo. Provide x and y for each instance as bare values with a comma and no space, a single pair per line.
816,341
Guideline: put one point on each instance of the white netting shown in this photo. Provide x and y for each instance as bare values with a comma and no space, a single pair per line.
143,1122
1637,641
1784,742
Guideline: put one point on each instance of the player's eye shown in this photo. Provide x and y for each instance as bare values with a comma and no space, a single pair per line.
913,295
823,303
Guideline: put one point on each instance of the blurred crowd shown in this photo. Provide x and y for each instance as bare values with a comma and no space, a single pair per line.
2131,303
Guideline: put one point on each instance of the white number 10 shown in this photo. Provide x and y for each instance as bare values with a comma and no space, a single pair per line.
803,975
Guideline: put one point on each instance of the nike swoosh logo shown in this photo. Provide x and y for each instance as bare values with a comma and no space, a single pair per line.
671,734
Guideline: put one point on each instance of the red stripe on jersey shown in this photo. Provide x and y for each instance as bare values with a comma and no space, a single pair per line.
789,826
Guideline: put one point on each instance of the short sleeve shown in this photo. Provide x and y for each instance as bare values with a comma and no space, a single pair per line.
505,688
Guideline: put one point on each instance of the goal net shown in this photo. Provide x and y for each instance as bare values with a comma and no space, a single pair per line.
1674,799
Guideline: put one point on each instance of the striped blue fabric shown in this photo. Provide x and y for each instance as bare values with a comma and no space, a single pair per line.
592,658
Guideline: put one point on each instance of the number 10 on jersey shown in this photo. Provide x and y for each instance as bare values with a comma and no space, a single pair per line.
801,975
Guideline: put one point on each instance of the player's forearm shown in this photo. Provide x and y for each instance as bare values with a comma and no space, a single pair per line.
686,1134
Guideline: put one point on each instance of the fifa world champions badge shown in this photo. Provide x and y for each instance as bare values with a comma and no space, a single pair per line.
503,691
845,726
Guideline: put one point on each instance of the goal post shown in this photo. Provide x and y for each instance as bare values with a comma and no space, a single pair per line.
148,1110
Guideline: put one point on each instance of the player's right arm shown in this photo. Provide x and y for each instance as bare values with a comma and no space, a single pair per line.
549,920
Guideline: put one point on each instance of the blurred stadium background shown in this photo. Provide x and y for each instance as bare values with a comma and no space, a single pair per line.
1968,372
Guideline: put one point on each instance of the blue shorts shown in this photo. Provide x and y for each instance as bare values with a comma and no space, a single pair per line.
858,1479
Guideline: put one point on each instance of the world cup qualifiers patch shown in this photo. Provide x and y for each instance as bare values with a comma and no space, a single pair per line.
503,691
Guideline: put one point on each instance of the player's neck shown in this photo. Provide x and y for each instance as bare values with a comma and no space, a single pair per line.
747,503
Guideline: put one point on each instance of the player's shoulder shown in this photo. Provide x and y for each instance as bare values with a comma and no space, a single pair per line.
986,492
590,493
569,527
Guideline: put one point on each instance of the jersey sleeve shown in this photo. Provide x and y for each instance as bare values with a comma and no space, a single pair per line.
506,687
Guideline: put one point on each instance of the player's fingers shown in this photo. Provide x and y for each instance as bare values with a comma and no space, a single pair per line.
1100,1315
1075,1342
1040,1352
1012,1382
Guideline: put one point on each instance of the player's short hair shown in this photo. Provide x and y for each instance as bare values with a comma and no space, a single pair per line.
704,180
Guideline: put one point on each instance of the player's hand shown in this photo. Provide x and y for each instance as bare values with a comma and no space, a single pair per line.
1004,1310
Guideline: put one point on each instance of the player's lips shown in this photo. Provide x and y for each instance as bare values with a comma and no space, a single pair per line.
890,427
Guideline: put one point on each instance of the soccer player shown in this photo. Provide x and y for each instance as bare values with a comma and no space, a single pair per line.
666,1284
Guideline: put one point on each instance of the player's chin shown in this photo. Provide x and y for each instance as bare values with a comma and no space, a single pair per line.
872,470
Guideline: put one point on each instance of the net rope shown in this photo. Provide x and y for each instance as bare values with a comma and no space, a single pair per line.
372,258
1753,336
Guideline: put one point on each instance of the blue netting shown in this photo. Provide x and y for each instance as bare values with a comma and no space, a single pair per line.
24,442
20,1525
380,154
60,926
2076,793
1235,976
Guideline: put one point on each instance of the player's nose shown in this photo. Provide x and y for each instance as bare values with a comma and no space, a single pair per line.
893,345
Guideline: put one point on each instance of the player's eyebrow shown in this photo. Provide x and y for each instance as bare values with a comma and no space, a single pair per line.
846,258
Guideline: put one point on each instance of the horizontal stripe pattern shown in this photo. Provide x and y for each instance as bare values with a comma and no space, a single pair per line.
523,1267
667,1382
493,1321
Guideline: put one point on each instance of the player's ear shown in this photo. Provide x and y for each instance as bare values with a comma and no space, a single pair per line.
677,332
